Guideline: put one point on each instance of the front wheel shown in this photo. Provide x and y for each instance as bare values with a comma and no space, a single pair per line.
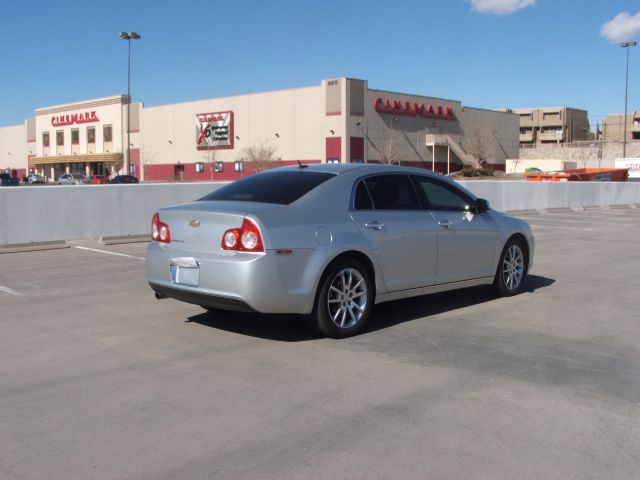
512,269
344,300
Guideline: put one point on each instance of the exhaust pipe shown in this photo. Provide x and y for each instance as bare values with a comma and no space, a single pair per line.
160,296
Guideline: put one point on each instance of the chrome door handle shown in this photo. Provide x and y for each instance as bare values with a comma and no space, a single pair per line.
445,223
375,225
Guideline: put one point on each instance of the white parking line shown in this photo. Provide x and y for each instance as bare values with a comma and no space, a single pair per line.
9,290
107,252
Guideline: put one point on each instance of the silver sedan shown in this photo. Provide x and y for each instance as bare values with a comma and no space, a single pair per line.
330,241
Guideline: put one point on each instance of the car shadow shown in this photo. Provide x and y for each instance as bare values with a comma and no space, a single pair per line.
393,313
294,328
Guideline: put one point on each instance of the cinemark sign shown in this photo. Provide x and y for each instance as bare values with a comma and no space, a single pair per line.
398,107
70,119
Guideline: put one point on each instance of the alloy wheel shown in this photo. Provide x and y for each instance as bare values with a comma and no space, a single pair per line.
347,298
513,267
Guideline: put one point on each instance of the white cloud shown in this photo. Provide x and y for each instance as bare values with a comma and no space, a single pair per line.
500,7
623,27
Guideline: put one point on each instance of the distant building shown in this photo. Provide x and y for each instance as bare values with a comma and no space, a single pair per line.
338,120
613,129
552,125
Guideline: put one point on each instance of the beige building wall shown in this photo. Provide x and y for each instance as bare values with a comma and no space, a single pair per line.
13,151
498,131
288,120
613,128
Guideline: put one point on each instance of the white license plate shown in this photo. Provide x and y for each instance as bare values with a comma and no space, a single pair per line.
185,271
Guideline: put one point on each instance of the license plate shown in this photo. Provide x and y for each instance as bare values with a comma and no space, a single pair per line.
185,271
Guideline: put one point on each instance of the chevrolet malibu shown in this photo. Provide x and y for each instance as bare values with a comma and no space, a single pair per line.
330,241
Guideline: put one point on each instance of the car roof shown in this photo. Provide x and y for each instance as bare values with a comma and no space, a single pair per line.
360,168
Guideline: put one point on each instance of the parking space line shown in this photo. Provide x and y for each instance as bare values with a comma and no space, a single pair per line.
9,290
108,252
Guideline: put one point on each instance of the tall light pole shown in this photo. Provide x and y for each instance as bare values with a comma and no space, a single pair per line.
128,36
626,93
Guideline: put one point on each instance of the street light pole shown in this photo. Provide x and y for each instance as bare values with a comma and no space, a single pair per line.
128,36
626,94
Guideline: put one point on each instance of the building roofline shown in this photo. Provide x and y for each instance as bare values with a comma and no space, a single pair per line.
549,108
83,104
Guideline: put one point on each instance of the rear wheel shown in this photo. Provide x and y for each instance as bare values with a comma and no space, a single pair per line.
512,269
344,299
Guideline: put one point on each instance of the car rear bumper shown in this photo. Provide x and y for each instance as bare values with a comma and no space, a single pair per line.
266,283
200,298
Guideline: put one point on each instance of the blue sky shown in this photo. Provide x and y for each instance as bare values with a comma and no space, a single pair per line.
486,53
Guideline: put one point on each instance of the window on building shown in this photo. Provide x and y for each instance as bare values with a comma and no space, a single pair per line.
108,133
199,167
526,116
75,136
45,139
550,115
91,134
60,137
218,167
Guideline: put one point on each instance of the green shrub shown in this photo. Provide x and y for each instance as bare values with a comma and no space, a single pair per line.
469,171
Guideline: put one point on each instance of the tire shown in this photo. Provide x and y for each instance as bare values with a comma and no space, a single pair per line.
512,269
344,299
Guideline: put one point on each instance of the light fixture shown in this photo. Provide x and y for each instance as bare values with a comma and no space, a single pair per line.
332,132
237,137
358,124
128,36
170,142
277,135
626,92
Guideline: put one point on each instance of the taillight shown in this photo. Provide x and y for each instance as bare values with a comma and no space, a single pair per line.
244,239
160,232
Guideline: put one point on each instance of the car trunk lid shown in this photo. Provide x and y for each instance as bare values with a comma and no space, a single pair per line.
198,227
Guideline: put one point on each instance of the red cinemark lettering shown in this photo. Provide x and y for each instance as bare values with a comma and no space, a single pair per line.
398,107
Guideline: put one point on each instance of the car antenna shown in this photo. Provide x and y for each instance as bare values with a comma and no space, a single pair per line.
302,165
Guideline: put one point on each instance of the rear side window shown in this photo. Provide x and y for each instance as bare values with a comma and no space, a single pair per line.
392,192
440,196
362,200
271,187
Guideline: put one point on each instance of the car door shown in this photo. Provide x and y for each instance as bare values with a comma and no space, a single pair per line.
403,235
467,241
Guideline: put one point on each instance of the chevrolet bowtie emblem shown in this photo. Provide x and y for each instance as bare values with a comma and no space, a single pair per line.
194,223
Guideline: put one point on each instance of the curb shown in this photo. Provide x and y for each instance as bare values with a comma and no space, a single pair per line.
143,238
33,247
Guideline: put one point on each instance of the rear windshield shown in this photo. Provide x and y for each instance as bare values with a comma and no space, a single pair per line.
271,187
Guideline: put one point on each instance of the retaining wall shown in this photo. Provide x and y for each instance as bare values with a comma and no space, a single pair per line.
46,213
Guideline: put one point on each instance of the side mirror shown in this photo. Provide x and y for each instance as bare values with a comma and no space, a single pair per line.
482,205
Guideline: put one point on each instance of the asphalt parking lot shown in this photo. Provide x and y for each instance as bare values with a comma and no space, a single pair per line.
99,380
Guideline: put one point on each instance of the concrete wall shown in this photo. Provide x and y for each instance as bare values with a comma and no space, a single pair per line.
510,196
44,213
36,214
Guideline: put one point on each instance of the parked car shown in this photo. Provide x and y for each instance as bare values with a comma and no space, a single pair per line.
330,241
7,180
99,179
124,179
35,178
72,179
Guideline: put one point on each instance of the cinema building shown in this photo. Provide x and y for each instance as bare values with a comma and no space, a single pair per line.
340,120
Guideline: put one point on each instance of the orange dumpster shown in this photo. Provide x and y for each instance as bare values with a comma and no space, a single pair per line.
581,175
